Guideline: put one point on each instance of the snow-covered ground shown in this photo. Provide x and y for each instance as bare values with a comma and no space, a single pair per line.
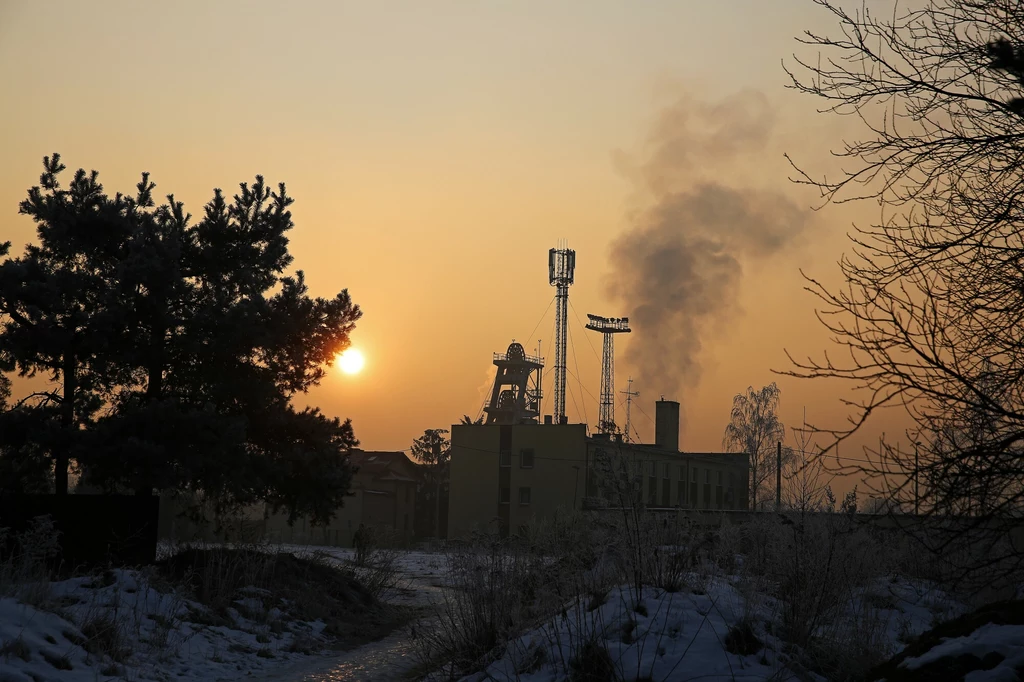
146,634
156,633
655,635
675,636
1006,641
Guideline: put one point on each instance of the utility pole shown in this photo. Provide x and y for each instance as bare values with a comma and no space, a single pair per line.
917,493
778,476
630,394
436,447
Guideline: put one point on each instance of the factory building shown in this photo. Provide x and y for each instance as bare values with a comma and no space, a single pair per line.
516,469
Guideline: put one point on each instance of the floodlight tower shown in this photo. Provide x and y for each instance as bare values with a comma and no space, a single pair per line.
609,327
561,267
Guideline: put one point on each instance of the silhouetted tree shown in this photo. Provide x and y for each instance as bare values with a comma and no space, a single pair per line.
466,419
930,315
193,338
754,428
433,451
805,479
50,299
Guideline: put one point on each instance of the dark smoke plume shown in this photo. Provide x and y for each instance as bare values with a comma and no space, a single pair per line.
678,267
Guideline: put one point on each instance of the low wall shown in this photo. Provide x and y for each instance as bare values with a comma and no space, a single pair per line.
93,530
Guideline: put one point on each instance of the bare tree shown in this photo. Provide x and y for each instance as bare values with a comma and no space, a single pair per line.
930,320
806,480
754,428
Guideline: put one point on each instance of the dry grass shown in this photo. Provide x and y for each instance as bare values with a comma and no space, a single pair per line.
26,560
268,588
806,580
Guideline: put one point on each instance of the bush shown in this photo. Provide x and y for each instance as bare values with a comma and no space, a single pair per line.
255,580
482,605
593,663
741,640
104,637
26,559
376,562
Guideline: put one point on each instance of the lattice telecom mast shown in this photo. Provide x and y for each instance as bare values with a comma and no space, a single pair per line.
561,266
609,327
630,394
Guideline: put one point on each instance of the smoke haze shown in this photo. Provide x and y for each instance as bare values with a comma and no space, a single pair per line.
702,215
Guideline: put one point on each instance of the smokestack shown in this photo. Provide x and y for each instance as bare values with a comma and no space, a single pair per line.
666,425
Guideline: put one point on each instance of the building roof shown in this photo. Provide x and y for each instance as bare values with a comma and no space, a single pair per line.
384,465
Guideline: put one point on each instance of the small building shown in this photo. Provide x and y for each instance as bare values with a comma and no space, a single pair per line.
383,498
505,476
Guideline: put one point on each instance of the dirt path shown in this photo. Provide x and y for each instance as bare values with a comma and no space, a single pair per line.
387,660
391,659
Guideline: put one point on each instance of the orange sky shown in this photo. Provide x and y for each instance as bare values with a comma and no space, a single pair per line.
436,150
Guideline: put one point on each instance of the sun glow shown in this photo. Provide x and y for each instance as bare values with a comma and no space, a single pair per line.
351,361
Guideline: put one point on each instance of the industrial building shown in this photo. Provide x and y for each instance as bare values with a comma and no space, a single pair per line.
382,499
517,469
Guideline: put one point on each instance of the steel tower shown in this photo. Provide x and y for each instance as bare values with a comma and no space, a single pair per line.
609,327
513,401
561,267
630,394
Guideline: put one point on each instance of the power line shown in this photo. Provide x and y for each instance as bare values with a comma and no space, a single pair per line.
580,322
645,414
576,361
543,315
619,446
582,386
572,396
545,395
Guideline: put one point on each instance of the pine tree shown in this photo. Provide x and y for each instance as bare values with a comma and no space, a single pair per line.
195,339
49,299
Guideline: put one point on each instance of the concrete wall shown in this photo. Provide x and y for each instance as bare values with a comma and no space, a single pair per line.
473,479
556,481
385,513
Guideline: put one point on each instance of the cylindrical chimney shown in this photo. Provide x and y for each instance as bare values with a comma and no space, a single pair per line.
666,425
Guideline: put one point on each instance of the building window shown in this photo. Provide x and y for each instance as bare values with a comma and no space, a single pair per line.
693,474
666,492
682,473
524,496
707,476
526,459
503,496
652,468
668,471
505,458
407,494
680,493
652,491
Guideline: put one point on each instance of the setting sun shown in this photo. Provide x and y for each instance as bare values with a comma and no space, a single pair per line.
351,361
